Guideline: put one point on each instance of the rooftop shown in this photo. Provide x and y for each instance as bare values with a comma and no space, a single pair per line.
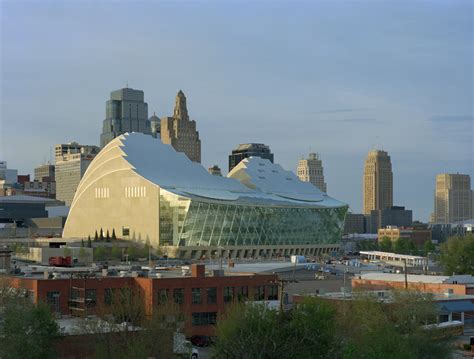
417,278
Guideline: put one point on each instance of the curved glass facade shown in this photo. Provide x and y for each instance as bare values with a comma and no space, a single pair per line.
191,222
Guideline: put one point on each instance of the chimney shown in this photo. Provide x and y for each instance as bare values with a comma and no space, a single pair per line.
198,270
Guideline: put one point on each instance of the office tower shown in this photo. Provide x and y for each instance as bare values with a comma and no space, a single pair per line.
45,173
246,150
354,223
215,170
452,198
378,181
155,126
126,111
72,160
311,170
8,175
180,132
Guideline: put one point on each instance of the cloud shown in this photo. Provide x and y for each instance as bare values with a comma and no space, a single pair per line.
360,120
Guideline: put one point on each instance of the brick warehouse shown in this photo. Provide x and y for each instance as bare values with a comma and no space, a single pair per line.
201,298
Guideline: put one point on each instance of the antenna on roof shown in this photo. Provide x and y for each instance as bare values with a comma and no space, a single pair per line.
126,84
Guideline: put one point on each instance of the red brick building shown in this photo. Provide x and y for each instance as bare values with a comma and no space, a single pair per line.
202,298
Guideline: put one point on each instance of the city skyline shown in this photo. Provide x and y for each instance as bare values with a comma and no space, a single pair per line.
414,103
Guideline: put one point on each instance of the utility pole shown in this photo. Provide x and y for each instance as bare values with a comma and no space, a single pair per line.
281,289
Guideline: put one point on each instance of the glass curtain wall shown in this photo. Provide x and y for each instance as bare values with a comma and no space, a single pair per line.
188,222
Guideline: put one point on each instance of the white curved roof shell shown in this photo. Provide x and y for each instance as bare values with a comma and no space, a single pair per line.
175,172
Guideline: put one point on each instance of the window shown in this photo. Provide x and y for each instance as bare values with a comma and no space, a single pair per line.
162,296
196,295
52,299
244,294
125,231
211,295
228,294
272,292
205,318
91,297
259,293
178,295
108,296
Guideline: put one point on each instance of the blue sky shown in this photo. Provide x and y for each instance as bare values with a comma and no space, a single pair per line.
335,77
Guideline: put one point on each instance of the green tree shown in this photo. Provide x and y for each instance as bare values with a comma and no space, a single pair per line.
101,235
385,244
96,236
116,252
89,242
107,237
99,253
403,246
82,255
82,243
457,255
429,246
28,331
113,234
66,251
255,331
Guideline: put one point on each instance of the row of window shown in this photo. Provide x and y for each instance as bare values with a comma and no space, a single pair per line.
230,294
134,192
102,192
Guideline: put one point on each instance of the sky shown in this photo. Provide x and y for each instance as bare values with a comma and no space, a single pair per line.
334,77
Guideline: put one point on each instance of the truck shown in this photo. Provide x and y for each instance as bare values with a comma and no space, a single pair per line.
59,261
183,348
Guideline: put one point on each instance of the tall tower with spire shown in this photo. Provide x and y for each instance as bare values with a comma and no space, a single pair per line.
180,132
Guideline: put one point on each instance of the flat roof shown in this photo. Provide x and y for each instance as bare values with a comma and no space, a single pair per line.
412,278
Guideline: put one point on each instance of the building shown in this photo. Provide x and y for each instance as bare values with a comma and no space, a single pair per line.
202,297
378,181
416,234
354,223
45,173
40,189
155,126
442,231
215,170
456,284
452,198
8,175
311,170
180,132
393,216
72,161
16,209
247,150
126,111
145,190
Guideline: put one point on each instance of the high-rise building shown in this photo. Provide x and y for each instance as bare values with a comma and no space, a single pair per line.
126,111
378,181
311,170
246,150
180,132
155,126
72,161
393,216
453,201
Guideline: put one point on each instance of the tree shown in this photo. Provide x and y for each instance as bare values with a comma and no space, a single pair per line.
114,237
429,246
28,331
101,235
107,237
82,243
82,255
66,251
385,244
96,236
457,255
89,242
255,331
403,246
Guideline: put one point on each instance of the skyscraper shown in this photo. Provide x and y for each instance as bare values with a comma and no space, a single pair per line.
311,170
452,198
180,132
378,181
126,111
246,150
72,160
